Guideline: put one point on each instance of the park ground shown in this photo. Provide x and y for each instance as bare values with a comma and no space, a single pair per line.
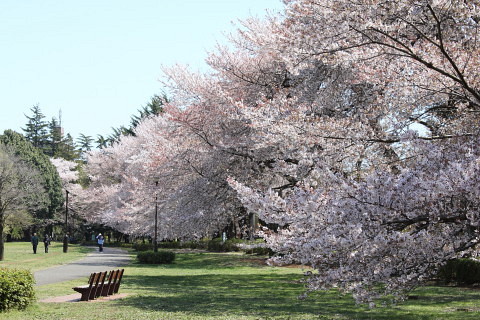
201,285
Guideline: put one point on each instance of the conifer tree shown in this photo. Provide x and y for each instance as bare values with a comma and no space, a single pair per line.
67,149
84,142
36,128
55,137
154,107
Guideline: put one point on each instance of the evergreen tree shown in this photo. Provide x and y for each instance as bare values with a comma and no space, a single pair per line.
67,149
36,128
154,107
84,142
101,142
55,137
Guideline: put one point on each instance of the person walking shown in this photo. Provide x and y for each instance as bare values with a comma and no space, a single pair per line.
100,241
46,242
34,243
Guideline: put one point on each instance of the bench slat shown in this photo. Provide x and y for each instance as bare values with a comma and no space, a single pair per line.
119,279
101,285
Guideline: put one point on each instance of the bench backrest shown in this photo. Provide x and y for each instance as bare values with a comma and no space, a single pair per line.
93,281
109,287
101,284
97,279
119,279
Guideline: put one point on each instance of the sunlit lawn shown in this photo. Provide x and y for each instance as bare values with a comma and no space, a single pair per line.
236,286
20,255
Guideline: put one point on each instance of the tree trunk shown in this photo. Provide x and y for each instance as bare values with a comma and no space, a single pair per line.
253,225
2,243
236,228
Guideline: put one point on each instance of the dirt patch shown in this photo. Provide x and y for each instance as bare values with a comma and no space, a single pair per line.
261,262
75,297
292,266
297,266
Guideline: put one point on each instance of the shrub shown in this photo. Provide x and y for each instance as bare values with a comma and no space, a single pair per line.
160,257
16,289
257,247
217,245
262,251
197,244
460,271
121,245
170,244
142,246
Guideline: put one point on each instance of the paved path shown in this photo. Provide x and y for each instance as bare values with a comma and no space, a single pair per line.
110,258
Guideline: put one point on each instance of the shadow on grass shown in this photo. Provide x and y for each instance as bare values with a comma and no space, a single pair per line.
214,295
239,285
259,296
445,295
208,261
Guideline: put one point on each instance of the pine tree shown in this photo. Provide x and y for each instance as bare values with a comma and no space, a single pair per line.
55,137
85,142
36,129
67,149
154,107
84,145
101,142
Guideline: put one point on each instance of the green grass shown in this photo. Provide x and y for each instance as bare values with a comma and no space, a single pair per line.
20,255
237,286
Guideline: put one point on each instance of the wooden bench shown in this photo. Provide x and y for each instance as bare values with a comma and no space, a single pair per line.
99,284
113,285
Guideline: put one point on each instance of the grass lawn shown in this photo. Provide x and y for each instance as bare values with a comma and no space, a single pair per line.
236,286
20,255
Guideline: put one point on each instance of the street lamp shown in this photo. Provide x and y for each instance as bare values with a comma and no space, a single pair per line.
66,210
155,245
65,238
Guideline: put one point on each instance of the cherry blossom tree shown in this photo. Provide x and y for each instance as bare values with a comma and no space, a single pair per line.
177,149
69,172
69,175
353,126
385,202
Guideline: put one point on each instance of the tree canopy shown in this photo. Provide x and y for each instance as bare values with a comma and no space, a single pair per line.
35,158
21,188
36,129
352,126
153,107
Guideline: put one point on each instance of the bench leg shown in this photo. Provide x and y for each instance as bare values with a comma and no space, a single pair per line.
85,296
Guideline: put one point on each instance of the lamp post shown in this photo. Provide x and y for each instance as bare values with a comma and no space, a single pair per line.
155,245
66,237
66,210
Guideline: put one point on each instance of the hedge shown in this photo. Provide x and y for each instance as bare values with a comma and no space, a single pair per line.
460,271
160,257
16,289
218,245
142,246
214,245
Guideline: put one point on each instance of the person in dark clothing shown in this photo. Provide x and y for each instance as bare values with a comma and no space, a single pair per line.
46,242
65,243
34,243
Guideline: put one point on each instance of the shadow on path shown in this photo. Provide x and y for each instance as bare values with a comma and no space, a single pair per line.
96,261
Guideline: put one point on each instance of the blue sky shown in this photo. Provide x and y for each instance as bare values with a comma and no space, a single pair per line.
99,61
